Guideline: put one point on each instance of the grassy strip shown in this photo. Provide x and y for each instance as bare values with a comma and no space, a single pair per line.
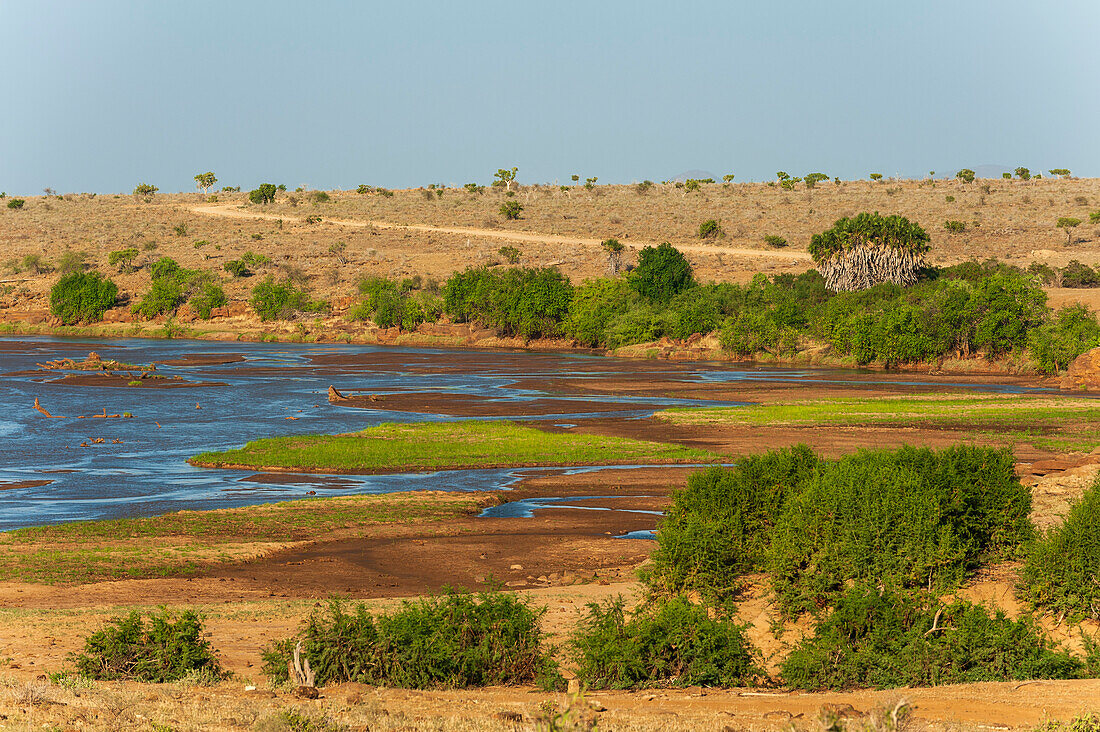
446,445
189,541
1050,422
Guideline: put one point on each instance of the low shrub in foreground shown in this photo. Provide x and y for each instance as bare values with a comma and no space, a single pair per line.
901,518
453,641
1062,573
82,297
718,527
885,639
167,648
672,642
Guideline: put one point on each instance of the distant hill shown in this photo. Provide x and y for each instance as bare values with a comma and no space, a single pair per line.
695,174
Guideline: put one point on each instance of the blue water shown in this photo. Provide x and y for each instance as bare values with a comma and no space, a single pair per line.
146,472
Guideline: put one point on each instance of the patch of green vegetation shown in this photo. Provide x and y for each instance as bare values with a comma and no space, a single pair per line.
167,649
1062,573
886,639
453,641
183,543
272,300
904,518
406,303
1056,422
671,642
447,445
82,297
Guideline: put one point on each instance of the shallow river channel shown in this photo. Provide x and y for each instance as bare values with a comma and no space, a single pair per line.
54,470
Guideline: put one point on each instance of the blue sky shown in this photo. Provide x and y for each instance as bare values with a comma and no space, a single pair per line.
98,96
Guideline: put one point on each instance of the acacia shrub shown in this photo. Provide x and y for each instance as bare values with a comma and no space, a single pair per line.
453,641
1062,572
208,296
662,273
82,297
171,286
523,301
596,303
169,648
896,518
402,304
1072,331
719,526
273,300
889,639
670,642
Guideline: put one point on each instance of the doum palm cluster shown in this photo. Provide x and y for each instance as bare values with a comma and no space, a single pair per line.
861,252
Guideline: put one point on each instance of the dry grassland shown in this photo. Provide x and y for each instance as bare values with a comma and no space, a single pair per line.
1011,220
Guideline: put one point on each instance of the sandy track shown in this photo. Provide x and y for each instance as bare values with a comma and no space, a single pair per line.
233,211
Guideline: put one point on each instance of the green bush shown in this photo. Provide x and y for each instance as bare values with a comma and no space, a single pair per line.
272,301
775,241
511,209
169,648
454,641
955,227
885,639
82,297
145,189
319,197
1062,572
966,175
511,254
71,261
710,229
595,304
524,302
390,304
719,526
670,643
896,518
1078,275
662,273
16,203
237,268
171,287
163,297
263,195
123,259
209,296
1073,330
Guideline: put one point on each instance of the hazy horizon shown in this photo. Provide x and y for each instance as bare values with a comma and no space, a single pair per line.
101,97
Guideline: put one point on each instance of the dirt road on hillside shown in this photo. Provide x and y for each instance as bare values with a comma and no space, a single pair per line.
233,211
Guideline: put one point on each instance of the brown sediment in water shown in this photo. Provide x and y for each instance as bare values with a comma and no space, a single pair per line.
203,359
17,484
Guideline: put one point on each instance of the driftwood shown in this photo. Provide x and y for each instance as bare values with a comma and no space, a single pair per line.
39,408
300,671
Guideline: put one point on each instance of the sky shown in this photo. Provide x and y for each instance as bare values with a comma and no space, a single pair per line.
100,96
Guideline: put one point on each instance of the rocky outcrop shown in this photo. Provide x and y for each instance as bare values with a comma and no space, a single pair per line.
1084,372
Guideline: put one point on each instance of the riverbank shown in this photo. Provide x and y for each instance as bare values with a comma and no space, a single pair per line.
340,330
